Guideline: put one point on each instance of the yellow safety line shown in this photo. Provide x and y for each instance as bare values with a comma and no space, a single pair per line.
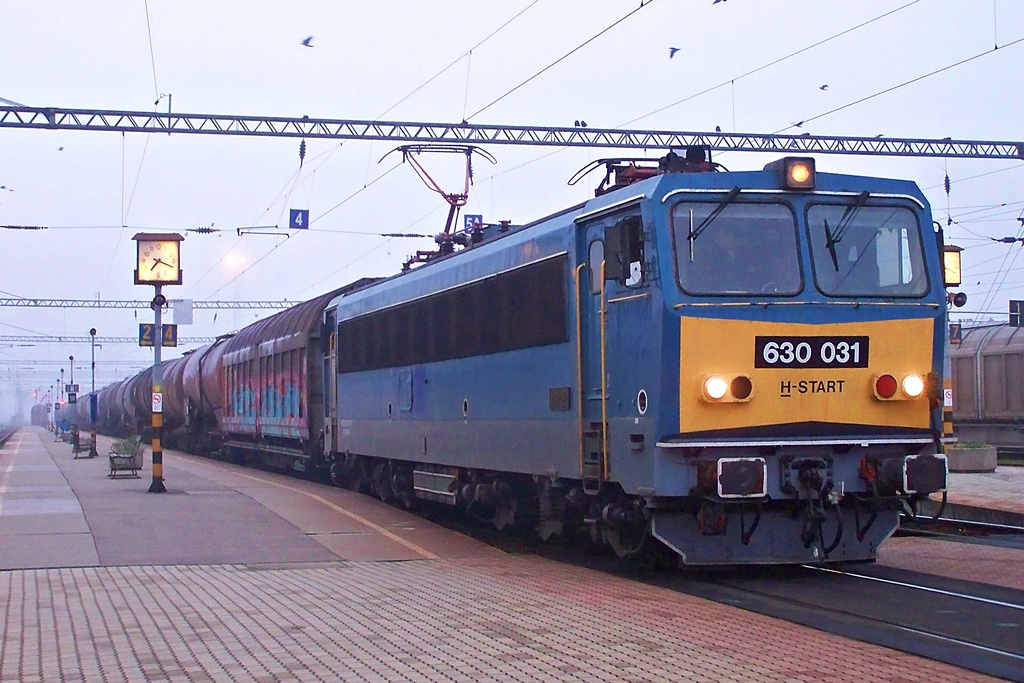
379,529
7,474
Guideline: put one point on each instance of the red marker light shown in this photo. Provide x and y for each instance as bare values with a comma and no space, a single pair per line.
885,386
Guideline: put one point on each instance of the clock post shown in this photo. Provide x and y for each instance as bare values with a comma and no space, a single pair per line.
158,264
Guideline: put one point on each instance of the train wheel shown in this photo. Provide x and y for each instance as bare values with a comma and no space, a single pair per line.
381,483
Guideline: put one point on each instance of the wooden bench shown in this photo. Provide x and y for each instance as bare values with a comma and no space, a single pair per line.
126,458
82,448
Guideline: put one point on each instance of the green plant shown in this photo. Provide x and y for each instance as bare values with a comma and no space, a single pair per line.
125,445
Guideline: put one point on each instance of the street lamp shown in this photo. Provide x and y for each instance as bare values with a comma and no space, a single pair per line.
93,399
61,404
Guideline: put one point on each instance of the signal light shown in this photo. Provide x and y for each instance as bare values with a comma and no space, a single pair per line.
795,173
799,173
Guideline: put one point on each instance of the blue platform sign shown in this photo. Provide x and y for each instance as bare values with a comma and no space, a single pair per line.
473,219
298,219
955,333
168,338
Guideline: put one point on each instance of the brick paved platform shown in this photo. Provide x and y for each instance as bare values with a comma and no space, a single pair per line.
246,576
994,497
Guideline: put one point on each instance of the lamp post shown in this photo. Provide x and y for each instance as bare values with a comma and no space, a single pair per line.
157,264
93,399
61,403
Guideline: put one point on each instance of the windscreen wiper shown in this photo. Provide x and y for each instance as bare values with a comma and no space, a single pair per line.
832,239
696,232
831,243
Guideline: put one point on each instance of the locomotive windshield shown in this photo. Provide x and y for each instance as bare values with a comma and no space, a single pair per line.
746,248
866,250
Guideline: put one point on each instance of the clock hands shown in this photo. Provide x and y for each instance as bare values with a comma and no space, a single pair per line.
158,261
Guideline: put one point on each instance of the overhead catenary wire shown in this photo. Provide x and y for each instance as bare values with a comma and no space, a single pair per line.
643,4
732,80
901,85
768,65
152,53
288,235
457,60
322,158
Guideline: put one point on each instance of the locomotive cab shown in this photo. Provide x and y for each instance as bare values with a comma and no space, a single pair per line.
804,381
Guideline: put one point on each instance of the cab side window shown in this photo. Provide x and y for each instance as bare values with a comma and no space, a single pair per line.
625,256
595,259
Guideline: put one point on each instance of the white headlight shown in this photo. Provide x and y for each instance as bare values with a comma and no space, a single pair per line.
913,385
715,387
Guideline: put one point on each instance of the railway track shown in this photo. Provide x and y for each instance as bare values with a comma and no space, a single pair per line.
960,529
6,433
974,626
970,625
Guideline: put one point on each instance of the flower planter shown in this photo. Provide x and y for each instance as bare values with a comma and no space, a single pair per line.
971,459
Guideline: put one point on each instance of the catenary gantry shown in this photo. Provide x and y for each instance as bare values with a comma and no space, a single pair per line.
29,302
52,118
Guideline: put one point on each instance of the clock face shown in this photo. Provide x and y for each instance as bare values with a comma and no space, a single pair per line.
158,262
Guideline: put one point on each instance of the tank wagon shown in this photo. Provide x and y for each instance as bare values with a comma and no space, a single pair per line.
729,367
988,386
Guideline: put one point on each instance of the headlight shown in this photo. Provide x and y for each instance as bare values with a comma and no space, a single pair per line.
913,385
726,388
715,387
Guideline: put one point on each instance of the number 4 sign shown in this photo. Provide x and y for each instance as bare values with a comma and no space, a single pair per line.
298,219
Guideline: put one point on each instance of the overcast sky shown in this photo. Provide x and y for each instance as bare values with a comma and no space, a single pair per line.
95,190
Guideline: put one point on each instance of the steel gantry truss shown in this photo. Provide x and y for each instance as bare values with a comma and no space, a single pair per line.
51,118
57,339
26,302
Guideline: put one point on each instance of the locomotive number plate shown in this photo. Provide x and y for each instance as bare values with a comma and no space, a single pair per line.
810,352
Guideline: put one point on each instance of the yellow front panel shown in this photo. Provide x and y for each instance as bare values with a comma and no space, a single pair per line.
785,395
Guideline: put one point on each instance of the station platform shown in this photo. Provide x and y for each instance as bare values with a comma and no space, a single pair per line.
986,497
243,575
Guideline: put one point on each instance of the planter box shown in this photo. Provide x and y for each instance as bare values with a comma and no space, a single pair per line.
971,459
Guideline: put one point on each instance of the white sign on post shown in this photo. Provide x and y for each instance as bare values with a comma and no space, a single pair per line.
182,311
158,403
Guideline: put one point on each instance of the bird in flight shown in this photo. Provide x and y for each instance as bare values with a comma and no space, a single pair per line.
717,1
823,87
672,52
308,42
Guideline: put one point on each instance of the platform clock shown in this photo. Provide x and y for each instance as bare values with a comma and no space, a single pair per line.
158,259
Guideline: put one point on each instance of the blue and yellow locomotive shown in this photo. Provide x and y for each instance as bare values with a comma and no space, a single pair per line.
719,367
742,367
